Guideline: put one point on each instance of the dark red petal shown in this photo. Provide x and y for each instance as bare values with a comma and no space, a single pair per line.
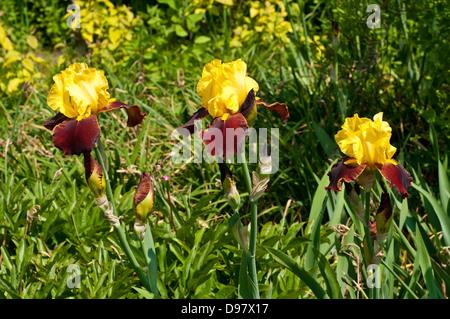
237,131
135,116
341,172
189,125
397,176
57,119
76,137
280,108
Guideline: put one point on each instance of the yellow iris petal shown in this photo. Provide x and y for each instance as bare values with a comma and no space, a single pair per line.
251,84
365,140
224,87
79,91
58,98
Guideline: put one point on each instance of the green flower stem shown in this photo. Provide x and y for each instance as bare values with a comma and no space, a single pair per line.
252,245
367,237
367,224
148,249
377,290
254,225
118,229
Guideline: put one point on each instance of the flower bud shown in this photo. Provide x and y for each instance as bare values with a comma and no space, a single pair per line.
95,178
229,186
384,217
233,197
378,253
144,198
265,163
239,232
259,186
355,201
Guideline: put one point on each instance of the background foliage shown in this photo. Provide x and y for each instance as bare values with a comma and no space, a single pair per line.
319,57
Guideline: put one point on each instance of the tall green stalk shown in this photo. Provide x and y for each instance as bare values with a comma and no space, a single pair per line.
368,247
118,228
254,225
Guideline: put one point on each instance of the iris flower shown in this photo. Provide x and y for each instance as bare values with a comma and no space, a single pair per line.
229,96
79,94
367,147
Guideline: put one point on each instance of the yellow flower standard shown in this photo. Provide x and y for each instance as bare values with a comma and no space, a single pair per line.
224,87
79,91
366,141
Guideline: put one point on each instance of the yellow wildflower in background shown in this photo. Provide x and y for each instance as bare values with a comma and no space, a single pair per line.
5,42
224,87
266,19
16,67
366,141
105,26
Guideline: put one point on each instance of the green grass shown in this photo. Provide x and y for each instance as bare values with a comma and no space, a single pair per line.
308,243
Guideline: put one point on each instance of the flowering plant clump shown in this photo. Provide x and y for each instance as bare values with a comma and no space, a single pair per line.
367,146
79,95
229,95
